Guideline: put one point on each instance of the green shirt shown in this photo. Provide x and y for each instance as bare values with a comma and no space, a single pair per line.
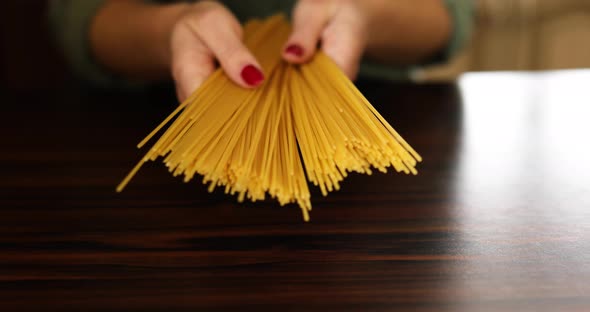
70,20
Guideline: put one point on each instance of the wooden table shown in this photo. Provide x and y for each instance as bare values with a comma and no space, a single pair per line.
497,220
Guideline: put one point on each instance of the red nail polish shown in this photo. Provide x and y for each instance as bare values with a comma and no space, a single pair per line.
295,49
252,75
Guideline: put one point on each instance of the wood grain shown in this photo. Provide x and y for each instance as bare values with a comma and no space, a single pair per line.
497,219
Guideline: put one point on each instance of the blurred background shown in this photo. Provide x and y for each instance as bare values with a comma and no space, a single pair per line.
28,58
524,35
509,35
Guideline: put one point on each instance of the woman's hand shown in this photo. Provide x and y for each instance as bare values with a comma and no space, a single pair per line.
396,32
208,32
151,42
340,25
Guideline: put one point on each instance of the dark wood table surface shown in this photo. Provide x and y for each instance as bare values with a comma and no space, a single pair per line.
497,220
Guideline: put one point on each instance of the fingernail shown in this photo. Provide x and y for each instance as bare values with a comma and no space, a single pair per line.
252,75
295,49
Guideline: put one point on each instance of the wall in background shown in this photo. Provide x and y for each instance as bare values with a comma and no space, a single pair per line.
524,35
28,58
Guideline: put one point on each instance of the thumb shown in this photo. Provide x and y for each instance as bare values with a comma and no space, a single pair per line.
309,20
344,41
207,33
222,34
191,64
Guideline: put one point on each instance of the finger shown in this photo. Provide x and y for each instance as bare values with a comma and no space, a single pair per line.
344,41
222,34
192,62
309,20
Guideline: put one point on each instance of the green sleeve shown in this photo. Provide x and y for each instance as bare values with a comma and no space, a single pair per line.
70,21
461,12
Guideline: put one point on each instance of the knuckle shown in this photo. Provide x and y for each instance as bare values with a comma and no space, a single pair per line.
202,14
206,14
315,2
178,71
227,53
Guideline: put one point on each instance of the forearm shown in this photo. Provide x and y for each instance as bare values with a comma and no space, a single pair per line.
403,32
131,38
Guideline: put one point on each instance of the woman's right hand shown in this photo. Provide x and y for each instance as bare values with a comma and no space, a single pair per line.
205,35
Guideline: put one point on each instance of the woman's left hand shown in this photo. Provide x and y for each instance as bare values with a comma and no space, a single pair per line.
340,25
393,32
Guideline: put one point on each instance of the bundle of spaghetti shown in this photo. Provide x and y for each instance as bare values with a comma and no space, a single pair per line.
306,121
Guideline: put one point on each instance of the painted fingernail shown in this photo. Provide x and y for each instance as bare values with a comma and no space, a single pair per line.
295,49
252,75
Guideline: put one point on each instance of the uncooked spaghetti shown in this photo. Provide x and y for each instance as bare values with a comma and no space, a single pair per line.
307,122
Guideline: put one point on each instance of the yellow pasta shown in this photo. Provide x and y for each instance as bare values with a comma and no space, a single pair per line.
306,122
